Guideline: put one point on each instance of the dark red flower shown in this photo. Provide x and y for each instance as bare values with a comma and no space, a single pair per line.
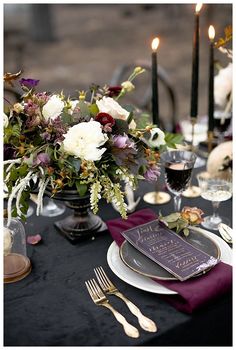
114,90
104,119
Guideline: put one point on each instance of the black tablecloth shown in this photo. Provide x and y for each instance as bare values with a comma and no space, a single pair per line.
51,306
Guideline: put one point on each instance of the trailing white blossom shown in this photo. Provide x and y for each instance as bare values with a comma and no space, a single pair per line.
22,184
95,195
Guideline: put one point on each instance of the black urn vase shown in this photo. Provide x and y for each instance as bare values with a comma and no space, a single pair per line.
82,224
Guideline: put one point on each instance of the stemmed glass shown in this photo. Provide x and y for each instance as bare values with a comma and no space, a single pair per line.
215,190
52,208
178,169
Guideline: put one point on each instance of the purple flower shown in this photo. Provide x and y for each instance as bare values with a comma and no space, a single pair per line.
29,83
42,97
42,159
152,173
8,151
31,108
122,141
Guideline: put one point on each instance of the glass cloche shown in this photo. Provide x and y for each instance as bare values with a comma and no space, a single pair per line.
16,263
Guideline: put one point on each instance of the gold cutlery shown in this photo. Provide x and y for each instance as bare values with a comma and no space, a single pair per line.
99,298
226,232
109,288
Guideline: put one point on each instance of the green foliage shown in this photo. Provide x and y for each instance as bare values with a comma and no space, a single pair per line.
93,109
173,139
81,188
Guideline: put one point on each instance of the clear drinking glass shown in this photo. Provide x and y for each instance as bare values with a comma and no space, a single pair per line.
215,190
222,122
52,208
178,170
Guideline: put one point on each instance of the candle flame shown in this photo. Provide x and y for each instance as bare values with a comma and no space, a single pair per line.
211,32
155,43
198,7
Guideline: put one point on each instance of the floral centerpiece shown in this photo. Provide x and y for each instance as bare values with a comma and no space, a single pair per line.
88,144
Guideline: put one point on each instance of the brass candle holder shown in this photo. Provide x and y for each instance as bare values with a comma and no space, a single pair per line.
192,191
210,137
157,197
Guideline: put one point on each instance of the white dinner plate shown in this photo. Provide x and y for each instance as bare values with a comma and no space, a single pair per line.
145,283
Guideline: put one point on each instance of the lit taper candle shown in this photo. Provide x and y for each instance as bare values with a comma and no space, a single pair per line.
211,33
155,103
195,65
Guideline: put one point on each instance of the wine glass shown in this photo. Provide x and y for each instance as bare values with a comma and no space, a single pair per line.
52,208
178,169
215,190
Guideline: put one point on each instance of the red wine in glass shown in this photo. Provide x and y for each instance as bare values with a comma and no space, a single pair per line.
177,176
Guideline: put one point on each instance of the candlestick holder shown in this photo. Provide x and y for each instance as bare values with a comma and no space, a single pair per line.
210,136
157,197
194,191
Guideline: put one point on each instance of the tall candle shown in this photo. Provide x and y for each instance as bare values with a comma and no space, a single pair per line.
211,33
155,102
195,65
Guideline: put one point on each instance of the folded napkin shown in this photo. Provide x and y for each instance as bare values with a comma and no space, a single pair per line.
193,293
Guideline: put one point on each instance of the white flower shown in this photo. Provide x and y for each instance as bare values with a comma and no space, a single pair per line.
128,86
223,85
110,106
53,108
156,139
18,108
5,120
82,140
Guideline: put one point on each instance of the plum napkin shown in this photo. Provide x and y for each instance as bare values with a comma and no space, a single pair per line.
193,293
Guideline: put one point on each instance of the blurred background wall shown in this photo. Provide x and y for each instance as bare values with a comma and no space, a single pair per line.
70,46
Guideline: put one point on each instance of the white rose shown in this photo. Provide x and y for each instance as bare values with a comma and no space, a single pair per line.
53,108
110,106
5,120
223,85
128,86
156,139
82,140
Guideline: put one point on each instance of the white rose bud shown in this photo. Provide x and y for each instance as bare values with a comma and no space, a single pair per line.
18,108
128,86
53,108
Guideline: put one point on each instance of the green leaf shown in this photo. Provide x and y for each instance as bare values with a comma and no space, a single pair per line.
81,188
173,139
74,162
186,231
130,117
93,109
172,217
66,118
84,109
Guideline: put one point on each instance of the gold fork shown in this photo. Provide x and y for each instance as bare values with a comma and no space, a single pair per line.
109,288
99,298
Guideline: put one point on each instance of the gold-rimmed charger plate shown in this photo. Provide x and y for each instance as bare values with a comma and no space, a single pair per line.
141,264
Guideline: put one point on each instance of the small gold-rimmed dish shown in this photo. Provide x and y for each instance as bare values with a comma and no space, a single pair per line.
141,264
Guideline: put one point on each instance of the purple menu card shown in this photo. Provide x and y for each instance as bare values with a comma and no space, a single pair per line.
155,240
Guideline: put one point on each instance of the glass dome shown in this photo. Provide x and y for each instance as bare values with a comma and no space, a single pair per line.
16,263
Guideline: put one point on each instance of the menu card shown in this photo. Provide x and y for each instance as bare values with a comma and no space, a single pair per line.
155,240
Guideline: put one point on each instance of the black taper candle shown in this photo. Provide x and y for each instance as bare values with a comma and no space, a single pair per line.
195,68
155,106
211,81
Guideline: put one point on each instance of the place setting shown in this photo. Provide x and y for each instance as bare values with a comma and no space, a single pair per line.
117,174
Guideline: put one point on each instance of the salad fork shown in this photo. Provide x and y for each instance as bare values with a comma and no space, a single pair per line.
109,288
99,298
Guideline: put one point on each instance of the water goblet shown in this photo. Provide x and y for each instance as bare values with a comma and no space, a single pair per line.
178,170
215,190
52,208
